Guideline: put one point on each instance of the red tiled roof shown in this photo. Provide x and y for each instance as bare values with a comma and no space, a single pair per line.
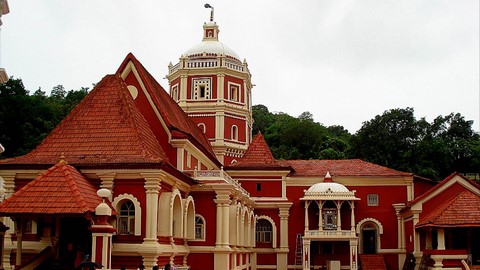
175,118
105,128
258,156
60,190
439,185
344,167
462,210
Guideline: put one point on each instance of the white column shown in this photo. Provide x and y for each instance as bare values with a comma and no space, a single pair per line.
353,254
306,215
441,239
339,215
320,215
306,254
223,201
152,189
282,258
352,216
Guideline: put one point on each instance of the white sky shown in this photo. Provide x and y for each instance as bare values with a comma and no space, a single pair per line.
345,61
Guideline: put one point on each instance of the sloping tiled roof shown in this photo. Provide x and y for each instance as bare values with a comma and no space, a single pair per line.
440,185
105,128
462,210
345,167
178,122
60,190
258,156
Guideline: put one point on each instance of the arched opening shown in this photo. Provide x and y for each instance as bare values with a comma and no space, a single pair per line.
189,218
369,238
126,218
199,228
177,220
234,133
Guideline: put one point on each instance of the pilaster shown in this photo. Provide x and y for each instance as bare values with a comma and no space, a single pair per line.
152,189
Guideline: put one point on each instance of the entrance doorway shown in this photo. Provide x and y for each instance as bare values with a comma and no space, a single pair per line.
369,241
75,240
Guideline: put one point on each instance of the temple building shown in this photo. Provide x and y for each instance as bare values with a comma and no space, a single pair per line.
139,175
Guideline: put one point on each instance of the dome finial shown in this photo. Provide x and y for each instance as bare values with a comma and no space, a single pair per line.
211,12
328,177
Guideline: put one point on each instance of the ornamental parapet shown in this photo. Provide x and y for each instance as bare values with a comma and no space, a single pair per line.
329,234
329,195
207,60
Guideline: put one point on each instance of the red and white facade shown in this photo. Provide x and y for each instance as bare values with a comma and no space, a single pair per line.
187,184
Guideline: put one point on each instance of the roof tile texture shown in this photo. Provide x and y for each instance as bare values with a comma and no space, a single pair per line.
106,127
461,210
60,190
258,155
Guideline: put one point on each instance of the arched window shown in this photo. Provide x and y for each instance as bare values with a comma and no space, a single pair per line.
234,133
126,219
199,228
263,231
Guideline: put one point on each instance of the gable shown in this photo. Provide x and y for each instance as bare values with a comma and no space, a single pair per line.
166,119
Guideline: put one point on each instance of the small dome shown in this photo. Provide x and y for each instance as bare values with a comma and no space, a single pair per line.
212,46
328,187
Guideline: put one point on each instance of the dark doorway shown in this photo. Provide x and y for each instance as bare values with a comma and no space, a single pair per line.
75,240
369,241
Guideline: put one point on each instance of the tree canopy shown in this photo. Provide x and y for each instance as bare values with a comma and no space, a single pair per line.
25,120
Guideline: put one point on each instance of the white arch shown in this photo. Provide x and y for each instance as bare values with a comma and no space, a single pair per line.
189,218
138,210
176,214
202,127
369,220
379,228
274,229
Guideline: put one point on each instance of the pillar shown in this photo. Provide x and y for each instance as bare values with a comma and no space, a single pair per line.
222,248
3,229
339,215
152,189
102,232
441,239
282,258
320,215
352,216
306,254
306,216
353,254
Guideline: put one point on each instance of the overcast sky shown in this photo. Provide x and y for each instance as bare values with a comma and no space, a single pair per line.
344,61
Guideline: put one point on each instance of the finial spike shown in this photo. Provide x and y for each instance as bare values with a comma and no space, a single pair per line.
211,12
62,158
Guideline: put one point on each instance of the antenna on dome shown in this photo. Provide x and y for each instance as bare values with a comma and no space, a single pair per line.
211,12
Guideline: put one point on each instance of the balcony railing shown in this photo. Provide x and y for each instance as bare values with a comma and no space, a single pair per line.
330,234
217,175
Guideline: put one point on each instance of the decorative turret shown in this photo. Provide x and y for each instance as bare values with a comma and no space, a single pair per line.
213,86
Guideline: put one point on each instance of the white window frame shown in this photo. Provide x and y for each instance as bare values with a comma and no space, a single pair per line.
201,83
201,227
118,201
372,200
236,96
234,133
174,92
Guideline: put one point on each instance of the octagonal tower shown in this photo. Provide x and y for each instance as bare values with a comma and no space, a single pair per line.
213,86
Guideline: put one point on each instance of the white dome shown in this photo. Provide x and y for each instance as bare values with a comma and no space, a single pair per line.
328,187
212,46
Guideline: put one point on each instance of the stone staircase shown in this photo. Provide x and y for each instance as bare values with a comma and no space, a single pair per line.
372,262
